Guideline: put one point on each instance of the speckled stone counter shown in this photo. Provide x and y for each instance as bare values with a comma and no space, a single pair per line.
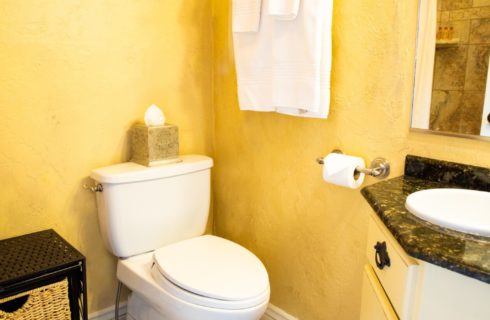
453,250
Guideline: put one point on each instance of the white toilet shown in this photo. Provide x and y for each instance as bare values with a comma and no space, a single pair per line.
153,219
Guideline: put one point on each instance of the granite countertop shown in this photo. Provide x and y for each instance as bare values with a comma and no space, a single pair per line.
460,252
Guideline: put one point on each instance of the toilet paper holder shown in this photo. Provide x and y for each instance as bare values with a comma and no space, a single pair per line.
379,168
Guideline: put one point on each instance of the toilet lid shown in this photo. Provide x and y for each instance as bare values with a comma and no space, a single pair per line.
213,267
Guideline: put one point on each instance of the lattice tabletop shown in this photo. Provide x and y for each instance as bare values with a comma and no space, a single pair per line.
34,254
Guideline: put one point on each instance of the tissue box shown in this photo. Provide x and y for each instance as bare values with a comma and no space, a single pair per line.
154,145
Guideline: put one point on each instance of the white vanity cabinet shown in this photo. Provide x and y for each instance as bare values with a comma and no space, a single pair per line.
408,288
394,271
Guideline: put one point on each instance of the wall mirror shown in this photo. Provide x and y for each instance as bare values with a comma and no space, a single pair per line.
452,89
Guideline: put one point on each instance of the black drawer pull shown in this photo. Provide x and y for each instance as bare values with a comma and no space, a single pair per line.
381,256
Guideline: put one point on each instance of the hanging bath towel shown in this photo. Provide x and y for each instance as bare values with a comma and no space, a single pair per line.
283,9
246,15
285,66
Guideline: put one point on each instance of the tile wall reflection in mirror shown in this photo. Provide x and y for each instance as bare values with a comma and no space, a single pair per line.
451,93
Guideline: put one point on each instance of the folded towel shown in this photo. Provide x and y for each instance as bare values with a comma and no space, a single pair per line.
285,67
283,9
246,15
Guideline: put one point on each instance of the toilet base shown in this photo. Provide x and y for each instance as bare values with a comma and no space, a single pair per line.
149,301
140,309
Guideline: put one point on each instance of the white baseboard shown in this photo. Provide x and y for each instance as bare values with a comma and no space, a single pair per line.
272,313
108,313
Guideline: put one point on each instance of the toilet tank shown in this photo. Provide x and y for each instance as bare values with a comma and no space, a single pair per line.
144,208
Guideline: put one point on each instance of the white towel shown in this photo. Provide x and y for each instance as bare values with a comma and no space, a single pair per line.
325,71
285,67
246,15
283,9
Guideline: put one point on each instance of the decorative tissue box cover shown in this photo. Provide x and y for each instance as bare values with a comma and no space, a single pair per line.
154,145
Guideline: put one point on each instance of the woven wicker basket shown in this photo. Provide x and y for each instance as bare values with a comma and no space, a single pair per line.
49,302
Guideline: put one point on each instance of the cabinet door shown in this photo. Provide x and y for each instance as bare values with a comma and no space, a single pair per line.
398,276
375,304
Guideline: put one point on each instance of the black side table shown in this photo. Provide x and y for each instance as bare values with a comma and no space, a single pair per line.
41,258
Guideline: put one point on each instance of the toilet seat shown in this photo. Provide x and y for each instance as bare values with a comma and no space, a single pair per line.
211,271
193,298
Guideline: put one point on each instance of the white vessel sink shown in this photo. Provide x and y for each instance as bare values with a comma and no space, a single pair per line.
458,209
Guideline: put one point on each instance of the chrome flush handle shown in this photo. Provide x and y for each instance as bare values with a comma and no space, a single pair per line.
95,188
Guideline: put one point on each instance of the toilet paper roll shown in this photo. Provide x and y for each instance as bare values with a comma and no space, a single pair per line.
340,169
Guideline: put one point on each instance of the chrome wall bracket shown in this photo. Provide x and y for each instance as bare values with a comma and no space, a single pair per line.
379,168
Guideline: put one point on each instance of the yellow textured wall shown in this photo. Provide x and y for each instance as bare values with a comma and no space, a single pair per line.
269,194
74,76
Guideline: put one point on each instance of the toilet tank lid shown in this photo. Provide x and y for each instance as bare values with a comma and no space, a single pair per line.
133,172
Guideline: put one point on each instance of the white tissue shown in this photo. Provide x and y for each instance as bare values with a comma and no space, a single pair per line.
154,116
340,169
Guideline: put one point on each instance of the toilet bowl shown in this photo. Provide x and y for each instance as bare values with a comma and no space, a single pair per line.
153,219
203,290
